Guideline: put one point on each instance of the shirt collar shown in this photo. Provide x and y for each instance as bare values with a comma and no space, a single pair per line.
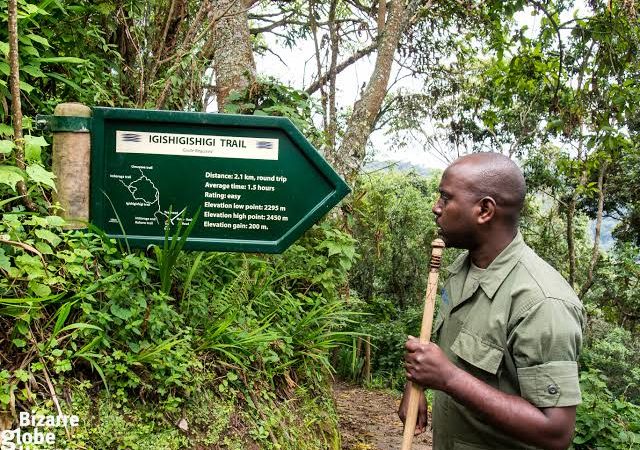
499,268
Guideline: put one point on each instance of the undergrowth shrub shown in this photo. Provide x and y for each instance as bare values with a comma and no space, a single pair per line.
604,421
76,306
278,313
72,301
387,348
614,352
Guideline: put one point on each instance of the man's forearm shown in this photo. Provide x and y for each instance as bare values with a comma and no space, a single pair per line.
549,428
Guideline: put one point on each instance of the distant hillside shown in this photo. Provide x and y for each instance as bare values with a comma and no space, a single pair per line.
403,166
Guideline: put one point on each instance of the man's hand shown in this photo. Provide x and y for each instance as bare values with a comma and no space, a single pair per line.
427,365
423,419
549,428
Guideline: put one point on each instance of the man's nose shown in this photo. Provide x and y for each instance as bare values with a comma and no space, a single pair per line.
436,209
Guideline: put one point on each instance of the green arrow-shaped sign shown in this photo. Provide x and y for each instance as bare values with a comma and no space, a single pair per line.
258,183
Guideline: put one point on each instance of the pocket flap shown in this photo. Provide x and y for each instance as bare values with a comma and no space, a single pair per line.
478,352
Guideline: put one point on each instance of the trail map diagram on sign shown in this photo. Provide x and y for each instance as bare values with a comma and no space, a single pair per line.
145,190
145,194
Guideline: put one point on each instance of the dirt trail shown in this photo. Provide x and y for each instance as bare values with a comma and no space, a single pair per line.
368,420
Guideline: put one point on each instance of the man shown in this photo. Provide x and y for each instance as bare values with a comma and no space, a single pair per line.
509,327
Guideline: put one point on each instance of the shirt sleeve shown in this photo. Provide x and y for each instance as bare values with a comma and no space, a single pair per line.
545,346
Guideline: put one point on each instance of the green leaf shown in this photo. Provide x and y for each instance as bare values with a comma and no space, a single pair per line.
44,248
4,68
33,146
63,313
48,236
82,253
31,264
105,8
231,108
38,39
40,141
32,153
52,281
134,346
26,87
57,76
29,9
10,175
61,60
122,313
20,343
6,146
22,327
55,221
6,130
30,50
5,262
232,376
39,174
80,326
39,289
23,39
34,71
4,48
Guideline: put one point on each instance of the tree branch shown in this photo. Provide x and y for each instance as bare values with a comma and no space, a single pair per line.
316,45
560,48
333,48
275,24
322,80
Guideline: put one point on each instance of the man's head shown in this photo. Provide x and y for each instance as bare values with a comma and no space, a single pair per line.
481,195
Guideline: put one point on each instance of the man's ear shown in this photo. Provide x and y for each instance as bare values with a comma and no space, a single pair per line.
487,209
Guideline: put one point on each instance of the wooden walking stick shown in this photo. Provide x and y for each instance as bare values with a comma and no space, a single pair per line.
437,246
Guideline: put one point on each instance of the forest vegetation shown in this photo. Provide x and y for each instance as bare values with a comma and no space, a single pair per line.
161,348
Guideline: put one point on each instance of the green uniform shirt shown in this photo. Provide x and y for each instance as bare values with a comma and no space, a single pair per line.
517,327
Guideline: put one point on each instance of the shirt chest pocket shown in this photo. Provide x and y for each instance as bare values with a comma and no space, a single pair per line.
478,350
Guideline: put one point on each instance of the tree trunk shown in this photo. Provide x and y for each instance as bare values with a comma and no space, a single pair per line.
571,211
132,83
571,248
16,105
595,253
233,62
350,156
367,359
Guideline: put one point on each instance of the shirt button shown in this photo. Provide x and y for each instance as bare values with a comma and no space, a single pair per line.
552,389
